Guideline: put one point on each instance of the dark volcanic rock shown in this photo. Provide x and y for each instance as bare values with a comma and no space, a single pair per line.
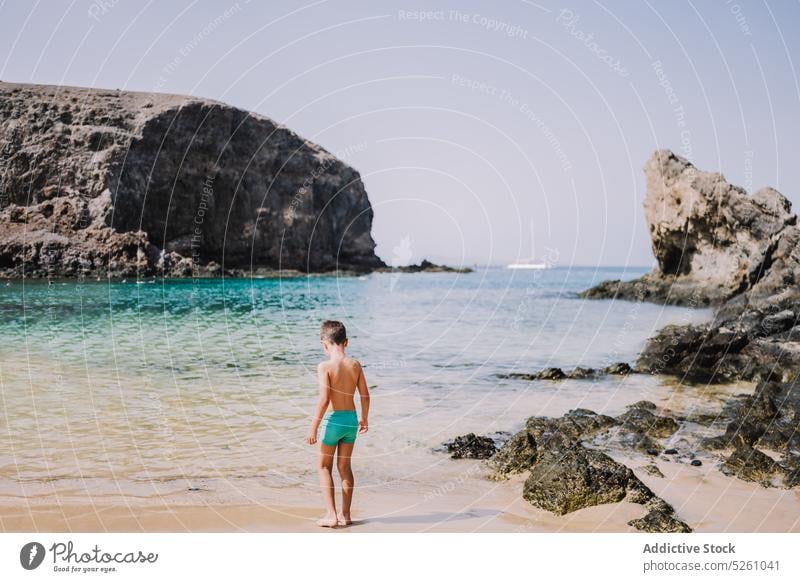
116,183
546,374
640,441
642,405
769,418
576,424
639,428
471,446
618,369
657,288
425,267
518,454
551,374
577,373
717,245
653,470
567,476
779,322
518,376
660,522
581,373
659,518
640,418
791,464
695,353
751,464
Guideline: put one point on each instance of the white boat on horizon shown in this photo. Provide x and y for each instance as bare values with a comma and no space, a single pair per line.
529,263
526,265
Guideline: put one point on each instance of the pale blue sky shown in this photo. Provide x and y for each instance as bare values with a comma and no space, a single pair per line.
481,123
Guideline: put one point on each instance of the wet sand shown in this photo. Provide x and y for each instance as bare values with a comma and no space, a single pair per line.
702,496
402,485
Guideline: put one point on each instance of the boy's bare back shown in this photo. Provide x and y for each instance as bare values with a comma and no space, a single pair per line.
343,377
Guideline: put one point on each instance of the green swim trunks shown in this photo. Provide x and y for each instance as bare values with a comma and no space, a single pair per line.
339,426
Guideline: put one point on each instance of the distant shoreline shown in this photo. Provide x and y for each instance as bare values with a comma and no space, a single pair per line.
240,274
295,274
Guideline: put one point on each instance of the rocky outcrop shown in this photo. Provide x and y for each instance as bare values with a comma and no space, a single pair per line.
577,373
567,473
711,239
569,464
640,417
750,464
765,420
117,183
717,245
567,477
660,521
471,446
425,267
750,338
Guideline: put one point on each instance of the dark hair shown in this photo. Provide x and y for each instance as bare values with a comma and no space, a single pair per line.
333,331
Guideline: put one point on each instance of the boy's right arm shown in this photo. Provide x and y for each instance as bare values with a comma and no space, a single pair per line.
361,385
322,403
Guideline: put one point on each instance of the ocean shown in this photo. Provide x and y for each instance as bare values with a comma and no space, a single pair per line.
173,389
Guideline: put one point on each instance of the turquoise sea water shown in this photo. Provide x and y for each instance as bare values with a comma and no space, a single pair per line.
142,389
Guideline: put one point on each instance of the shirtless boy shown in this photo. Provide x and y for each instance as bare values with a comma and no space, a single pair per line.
339,378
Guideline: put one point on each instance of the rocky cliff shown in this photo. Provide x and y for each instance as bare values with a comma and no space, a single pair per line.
122,184
717,245
710,238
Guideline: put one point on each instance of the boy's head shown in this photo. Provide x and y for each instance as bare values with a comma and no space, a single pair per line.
333,332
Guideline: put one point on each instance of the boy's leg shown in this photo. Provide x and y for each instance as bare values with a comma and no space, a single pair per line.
326,483
346,473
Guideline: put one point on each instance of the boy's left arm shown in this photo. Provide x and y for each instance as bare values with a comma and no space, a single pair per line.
322,403
361,385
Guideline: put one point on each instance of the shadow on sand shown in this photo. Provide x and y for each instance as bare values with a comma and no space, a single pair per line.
429,518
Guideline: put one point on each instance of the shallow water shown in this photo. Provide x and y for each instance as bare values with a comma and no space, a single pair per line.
147,390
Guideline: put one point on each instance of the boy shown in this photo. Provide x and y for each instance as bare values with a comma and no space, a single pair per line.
339,378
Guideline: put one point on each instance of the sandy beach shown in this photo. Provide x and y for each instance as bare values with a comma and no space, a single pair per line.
707,499
431,493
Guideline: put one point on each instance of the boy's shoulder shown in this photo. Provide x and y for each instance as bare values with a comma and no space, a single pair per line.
327,364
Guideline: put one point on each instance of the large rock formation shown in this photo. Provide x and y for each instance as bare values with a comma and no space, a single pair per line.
710,238
717,245
570,460
565,475
117,183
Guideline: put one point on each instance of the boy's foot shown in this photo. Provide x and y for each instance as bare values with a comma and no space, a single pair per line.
328,521
344,520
